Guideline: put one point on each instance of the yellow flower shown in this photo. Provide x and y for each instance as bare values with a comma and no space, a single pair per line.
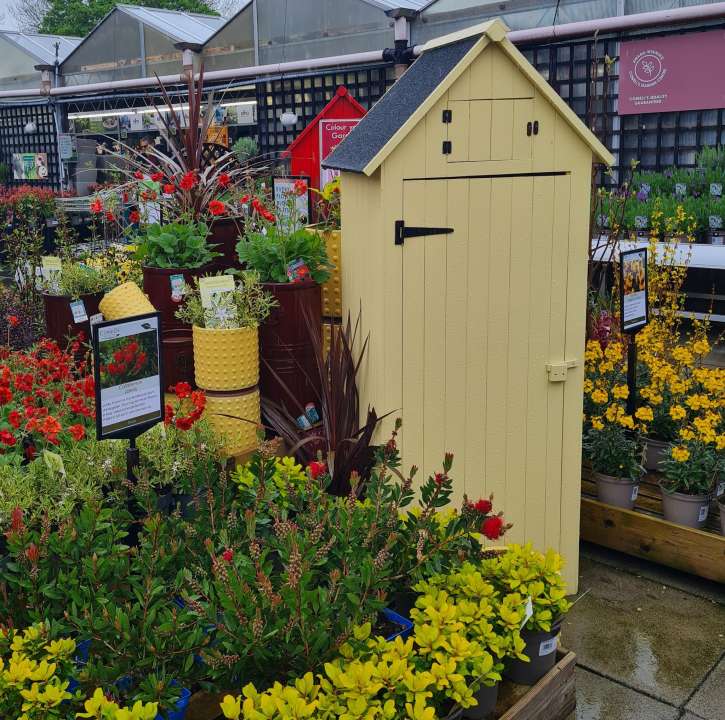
621,392
677,412
680,454
597,424
701,347
626,421
644,413
687,434
720,442
600,397
231,707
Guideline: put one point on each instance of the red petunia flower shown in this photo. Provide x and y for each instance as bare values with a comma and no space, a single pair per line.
299,188
217,207
110,217
492,527
169,189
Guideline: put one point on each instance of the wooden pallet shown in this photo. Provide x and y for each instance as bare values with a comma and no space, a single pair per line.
648,536
552,698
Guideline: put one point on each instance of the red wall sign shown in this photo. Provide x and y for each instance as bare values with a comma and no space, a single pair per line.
332,133
678,72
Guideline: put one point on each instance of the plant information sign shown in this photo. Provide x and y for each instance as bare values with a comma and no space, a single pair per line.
633,289
332,133
127,366
677,72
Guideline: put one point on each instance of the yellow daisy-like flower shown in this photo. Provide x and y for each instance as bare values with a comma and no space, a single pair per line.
600,397
677,412
680,454
687,434
621,392
597,424
644,413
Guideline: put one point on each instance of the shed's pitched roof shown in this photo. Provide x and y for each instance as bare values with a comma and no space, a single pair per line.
42,47
424,83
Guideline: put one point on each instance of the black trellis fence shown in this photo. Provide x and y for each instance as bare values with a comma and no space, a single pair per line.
29,128
575,69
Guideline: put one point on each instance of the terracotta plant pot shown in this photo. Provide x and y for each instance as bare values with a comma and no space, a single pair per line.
157,286
226,359
655,452
286,346
620,492
688,510
59,323
235,416
177,349
124,301
541,651
486,697
223,238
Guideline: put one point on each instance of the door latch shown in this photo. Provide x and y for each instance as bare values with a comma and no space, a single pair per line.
402,232
558,371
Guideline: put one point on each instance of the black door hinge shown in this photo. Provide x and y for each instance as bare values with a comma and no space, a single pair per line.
402,232
447,116
447,147
529,128
536,127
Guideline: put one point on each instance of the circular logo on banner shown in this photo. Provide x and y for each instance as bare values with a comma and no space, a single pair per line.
648,68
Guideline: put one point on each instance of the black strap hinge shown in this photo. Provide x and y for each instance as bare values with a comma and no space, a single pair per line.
447,147
402,232
447,116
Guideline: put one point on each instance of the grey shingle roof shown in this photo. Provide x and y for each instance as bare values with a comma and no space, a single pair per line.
389,114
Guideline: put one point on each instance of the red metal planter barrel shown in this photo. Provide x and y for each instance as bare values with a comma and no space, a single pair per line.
157,285
223,239
59,322
177,348
286,346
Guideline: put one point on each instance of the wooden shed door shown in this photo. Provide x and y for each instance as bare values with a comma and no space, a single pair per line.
484,312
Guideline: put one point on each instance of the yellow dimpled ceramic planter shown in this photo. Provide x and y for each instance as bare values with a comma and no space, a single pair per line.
332,289
235,417
226,359
125,300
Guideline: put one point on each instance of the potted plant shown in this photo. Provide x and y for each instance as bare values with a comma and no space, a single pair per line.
71,297
291,262
226,354
689,473
533,579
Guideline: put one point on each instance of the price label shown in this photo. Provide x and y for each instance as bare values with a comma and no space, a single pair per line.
716,189
547,647
720,490
177,287
213,286
50,266
95,319
703,513
635,492
79,311
680,189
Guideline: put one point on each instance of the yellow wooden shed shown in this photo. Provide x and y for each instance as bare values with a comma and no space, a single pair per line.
465,222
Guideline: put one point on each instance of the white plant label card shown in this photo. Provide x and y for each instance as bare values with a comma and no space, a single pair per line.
703,513
528,612
547,647
211,286
79,311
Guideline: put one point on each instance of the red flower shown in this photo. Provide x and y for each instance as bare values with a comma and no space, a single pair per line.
110,217
134,217
228,555
96,206
7,438
157,176
15,419
50,427
138,175
316,469
16,520
184,423
217,207
483,506
32,553
77,431
492,527
224,180
169,189
13,320
168,414
182,390
198,399
439,479
299,188
5,395
188,181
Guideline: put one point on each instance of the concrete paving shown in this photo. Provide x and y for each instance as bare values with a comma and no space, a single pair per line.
650,642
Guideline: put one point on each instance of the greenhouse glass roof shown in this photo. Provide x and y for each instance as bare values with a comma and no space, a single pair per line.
41,47
182,26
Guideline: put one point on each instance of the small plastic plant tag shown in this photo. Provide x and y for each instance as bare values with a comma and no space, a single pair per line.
635,492
297,271
547,647
640,222
715,222
720,490
95,319
79,311
303,423
177,287
680,189
716,189
528,612
703,513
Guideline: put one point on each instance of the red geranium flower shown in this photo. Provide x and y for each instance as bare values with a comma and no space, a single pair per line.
317,468
492,527
96,207
13,320
50,426
168,414
7,438
184,423
110,217
182,390
217,207
188,181
157,176
77,431
5,395
15,419
169,189
138,175
224,180
134,217
299,188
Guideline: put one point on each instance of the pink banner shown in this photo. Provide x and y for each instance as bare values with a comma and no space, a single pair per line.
677,72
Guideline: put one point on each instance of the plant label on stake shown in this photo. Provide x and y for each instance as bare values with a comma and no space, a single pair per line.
211,286
177,287
50,269
292,209
634,310
78,308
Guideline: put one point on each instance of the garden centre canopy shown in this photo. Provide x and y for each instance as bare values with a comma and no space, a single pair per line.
21,52
133,42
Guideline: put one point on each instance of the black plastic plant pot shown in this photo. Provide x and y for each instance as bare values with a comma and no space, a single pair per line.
541,651
487,698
